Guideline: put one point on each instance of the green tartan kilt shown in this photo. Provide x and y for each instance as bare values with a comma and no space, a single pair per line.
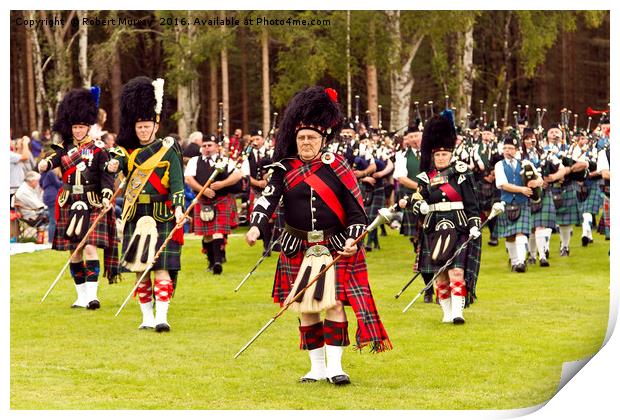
377,202
468,260
408,225
568,214
170,258
593,203
523,224
546,216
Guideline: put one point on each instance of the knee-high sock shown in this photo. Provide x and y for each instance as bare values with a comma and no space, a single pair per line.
512,252
531,245
541,243
521,243
548,233
217,250
586,226
565,232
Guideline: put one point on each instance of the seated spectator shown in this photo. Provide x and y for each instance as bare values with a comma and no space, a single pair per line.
18,156
193,147
29,198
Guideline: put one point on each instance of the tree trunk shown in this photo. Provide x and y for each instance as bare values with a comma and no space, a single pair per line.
245,115
116,85
188,106
265,71
401,79
503,82
225,97
348,63
32,119
213,95
85,75
40,97
467,63
372,82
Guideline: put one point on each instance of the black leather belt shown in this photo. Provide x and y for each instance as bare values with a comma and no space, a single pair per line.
78,189
151,198
313,235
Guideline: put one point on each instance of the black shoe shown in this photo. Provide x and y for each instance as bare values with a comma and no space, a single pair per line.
544,263
585,241
339,380
531,260
368,248
217,268
564,252
93,304
493,242
428,298
210,267
162,328
305,380
521,268
266,253
458,321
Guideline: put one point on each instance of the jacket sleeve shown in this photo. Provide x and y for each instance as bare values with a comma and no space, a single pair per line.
269,200
106,179
470,200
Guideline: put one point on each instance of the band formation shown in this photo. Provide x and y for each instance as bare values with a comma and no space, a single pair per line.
316,189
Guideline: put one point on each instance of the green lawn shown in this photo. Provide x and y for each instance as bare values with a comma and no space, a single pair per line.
509,354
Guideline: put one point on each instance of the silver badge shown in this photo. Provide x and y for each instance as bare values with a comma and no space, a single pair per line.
328,158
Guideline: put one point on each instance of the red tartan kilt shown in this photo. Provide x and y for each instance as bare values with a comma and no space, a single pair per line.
348,270
103,236
225,215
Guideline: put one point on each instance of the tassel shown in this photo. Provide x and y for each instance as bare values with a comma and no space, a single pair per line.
145,250
303,283
132,249
320,285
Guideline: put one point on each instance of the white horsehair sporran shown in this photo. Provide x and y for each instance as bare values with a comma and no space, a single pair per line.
141,249
321,295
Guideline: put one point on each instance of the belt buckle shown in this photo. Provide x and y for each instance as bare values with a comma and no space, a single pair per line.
77,189
315,236
144,199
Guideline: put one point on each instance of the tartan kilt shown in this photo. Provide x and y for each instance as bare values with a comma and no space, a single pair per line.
488,194
523,224
468,260
170,258
352,288
568,214
225,214
592,204
546,216
606,216
377,202
409,224
104,235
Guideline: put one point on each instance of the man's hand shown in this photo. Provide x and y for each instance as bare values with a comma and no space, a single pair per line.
262,183
209,193
526,191
349,249
402,203
474,232
106,202
112,166
178,214
252,236
369,180
217,185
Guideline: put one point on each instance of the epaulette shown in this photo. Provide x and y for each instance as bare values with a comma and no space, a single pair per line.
118,151
100,144
460,166
422,176
168,142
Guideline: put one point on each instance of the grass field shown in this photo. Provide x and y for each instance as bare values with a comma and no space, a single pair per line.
509,354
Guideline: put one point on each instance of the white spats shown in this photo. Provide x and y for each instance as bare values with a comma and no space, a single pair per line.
91,291
541,243
334,360
161,313
446,307
512,252
586,226
458,304
148,318
317,366
521,244
81,300
565,232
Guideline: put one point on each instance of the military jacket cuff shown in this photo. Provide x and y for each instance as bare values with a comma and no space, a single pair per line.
106,193
473,221
178,199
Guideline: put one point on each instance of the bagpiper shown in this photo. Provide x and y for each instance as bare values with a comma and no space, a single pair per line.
86,191
154,199
449,205
324,213
214,212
